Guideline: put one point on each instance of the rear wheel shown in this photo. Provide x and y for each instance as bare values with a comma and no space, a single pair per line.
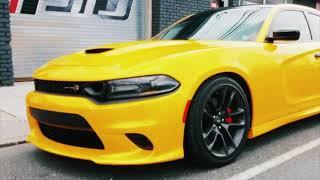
218,123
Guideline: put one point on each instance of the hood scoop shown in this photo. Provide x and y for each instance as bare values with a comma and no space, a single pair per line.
97,50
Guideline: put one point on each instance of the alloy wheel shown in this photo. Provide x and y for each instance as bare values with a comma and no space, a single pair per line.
223,121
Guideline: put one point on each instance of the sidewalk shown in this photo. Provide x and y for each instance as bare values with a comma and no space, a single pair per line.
13,121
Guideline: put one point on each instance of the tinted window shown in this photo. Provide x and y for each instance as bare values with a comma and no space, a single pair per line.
314,22
292,20
239,24
186,28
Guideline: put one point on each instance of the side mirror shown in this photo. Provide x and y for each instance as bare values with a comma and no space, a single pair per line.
284,35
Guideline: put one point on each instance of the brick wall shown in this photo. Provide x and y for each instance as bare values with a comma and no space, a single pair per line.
166,12
6,70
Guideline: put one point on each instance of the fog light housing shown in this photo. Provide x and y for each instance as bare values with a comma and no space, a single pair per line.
141,141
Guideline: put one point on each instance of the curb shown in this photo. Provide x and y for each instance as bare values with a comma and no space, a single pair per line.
12,144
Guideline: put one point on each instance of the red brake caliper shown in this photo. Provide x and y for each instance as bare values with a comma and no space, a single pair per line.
229,119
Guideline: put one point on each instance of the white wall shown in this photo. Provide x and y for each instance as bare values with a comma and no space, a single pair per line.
39,37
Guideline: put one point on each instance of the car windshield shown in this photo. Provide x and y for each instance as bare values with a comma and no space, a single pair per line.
237,24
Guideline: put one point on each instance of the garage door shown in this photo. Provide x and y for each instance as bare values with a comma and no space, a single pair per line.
45,29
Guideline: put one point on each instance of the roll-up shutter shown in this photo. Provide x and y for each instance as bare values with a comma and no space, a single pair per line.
45,29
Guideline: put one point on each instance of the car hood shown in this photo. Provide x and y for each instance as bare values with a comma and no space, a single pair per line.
125,59
128,54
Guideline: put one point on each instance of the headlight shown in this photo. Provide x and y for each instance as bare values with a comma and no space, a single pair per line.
133,88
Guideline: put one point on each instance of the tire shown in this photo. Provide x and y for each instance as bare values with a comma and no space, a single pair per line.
218,123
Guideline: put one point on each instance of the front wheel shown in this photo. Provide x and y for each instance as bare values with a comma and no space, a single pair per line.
218,123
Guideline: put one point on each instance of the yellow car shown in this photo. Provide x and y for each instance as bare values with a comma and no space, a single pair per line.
199,89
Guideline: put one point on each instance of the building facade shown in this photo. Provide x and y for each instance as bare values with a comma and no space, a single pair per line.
44,29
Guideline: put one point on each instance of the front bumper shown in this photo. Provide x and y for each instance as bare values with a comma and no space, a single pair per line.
160,119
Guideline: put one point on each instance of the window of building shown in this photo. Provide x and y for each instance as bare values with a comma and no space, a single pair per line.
275,1
299,23
249,2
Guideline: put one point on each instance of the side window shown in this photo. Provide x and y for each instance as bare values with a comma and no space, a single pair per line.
292,20
250,27
314,22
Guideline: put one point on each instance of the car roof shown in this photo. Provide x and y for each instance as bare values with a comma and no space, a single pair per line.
295,6
281,6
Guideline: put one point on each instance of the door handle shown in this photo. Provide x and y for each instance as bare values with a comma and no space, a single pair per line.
317,56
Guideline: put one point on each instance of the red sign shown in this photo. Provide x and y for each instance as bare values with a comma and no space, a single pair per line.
13,5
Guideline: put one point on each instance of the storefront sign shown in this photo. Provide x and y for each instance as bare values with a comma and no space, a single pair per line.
112,9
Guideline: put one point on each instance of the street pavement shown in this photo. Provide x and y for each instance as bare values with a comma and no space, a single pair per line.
13,121
27,162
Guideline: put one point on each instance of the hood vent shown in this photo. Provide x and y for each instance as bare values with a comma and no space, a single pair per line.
97,51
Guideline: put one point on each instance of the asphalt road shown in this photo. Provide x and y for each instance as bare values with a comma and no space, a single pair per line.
27,162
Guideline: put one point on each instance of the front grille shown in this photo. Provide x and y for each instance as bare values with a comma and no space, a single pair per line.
59,87
65,128
92,90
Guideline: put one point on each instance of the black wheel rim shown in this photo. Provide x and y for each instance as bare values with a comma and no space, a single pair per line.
223,121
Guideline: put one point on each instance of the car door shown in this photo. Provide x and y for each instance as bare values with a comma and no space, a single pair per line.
299,64
314,23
